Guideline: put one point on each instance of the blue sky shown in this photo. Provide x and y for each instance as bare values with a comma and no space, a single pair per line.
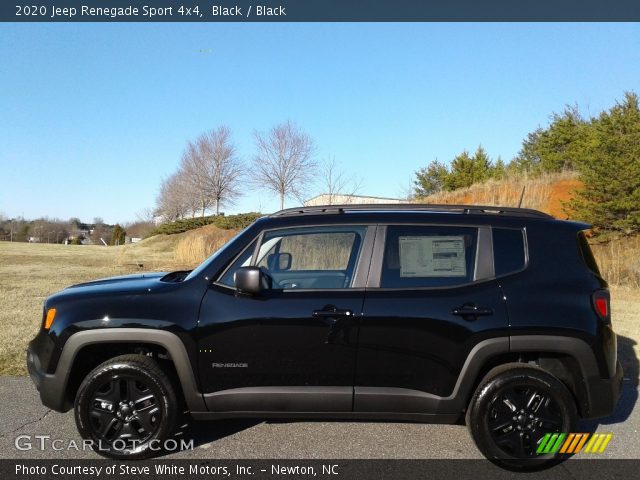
93,116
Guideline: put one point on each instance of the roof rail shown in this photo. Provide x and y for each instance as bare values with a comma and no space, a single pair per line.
417,207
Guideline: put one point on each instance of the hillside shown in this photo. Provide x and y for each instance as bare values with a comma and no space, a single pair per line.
546,193
618,258
176,251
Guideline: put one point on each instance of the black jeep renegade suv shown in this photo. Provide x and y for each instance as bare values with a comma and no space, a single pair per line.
401,312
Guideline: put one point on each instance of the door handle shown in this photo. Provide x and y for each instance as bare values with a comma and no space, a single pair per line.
470,310
335,313
332,317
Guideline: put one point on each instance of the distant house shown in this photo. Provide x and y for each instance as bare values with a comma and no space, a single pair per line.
82,232
34,239
342,199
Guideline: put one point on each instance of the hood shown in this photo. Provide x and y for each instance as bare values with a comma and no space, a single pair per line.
140,279
124,284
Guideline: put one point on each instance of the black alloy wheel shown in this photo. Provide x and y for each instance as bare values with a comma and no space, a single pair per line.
519,417
127,408
512,410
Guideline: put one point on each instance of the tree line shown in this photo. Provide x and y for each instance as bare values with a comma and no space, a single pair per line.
74,231
212,176
603,149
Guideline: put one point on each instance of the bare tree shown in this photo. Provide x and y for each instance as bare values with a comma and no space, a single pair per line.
174,200
335,183
100,232
284,162
212,167
144,215
193,172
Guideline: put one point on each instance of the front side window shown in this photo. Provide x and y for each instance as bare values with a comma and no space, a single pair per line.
243,260
309,258
428,256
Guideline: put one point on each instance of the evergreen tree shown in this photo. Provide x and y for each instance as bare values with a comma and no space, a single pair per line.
431,179
610,170
482,167
558,147
461,175
117,235
467,170
499,169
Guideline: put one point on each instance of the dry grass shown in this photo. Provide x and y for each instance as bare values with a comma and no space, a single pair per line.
31,272
619,261
196,245
545,192
625,305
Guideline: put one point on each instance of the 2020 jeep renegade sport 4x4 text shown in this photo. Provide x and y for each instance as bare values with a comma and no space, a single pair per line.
402,312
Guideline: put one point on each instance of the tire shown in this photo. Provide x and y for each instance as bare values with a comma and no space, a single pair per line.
127,408
511,411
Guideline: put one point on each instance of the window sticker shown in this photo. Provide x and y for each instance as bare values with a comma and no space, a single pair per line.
422,256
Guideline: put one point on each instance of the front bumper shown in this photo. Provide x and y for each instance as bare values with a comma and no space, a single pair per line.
604,393
49,386
35,369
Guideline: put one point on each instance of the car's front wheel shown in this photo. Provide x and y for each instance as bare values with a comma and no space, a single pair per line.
511,412
126,407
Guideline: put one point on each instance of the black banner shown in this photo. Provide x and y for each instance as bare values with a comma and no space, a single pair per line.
300,469
320,11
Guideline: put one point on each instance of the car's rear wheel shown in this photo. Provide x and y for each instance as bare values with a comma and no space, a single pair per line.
511,412
126,407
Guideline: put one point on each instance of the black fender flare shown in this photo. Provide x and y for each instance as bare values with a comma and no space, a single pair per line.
53,386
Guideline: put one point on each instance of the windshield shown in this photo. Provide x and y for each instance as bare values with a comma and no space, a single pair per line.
205,264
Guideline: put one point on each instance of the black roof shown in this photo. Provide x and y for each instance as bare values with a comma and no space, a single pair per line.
413,207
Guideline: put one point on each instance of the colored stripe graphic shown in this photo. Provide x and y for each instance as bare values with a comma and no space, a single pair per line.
567,444
605,442
572,443
598,442
551,443
543,443
581,443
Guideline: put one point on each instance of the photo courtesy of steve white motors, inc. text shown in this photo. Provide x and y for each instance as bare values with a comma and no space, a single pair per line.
173,469
147,12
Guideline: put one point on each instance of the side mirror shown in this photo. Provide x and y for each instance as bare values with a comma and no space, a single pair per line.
251,280
279,262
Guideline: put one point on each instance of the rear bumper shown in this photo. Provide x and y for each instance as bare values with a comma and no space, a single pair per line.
604,393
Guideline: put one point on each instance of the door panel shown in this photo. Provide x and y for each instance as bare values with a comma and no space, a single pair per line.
293,346
413,341
277,341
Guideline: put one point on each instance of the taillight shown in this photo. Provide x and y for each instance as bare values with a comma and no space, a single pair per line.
601,304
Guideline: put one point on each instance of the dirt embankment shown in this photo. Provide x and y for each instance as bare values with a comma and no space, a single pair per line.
548,193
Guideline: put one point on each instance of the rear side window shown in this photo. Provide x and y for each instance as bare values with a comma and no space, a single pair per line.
508,250
429,256
587,254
